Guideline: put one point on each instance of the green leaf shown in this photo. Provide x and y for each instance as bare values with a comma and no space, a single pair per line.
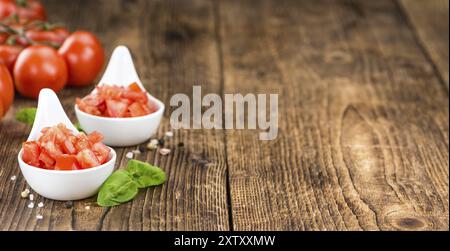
120,187
145,174
26,115
78,126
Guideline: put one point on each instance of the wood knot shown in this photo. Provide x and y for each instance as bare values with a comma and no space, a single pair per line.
179,34
410,223
405,221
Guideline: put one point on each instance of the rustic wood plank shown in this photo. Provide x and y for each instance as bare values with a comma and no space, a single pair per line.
430,20
174,47
363,120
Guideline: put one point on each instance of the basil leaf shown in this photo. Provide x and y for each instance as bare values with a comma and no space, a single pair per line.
145,174
26,115
118,188
78,126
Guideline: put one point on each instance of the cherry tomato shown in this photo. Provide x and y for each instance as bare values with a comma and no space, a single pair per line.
6,90
55,37
38,67
25,9
9,54
85,57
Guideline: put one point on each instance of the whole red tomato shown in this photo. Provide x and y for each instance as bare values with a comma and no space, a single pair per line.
38,67
25,9
85,57
9,54
6,90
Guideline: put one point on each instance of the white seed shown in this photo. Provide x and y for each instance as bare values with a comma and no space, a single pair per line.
31,205
87,207
13,178
129,155
39,217
153,144
31,196
164,151
41,204
25,193
169,134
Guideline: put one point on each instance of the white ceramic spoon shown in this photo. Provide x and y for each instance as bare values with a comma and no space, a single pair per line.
54,184
122,131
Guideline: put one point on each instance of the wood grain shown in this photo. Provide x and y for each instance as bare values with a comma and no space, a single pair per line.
174,47
363,116
430,21
363,140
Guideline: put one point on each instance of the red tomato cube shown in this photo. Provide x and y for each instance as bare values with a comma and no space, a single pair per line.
67,162
87,159
31,151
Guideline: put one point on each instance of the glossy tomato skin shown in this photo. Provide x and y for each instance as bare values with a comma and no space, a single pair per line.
85,57
1,110
7,8
25,9
38,67
9,54
6,90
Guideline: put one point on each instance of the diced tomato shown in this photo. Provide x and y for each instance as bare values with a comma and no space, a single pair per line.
59,149
114,101
101,152
66,162
137,109
87,159
95,137
116,109
31,151
82,142
109,92
68,146
135,87
46,160
52,149
87,108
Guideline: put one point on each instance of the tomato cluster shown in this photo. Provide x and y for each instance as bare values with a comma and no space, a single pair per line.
58,149
37,54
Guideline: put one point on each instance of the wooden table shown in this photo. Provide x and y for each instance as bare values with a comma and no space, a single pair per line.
363,116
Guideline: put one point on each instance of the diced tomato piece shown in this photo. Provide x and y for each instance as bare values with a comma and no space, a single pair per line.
86,158
31,151
68,146
87,108
67,132
95,137
101,152
52,149
137,109
82,142
47,161
109,92
135,87
135,96
116,109
66,162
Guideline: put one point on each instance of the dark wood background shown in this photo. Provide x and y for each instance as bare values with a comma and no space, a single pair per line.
364,119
